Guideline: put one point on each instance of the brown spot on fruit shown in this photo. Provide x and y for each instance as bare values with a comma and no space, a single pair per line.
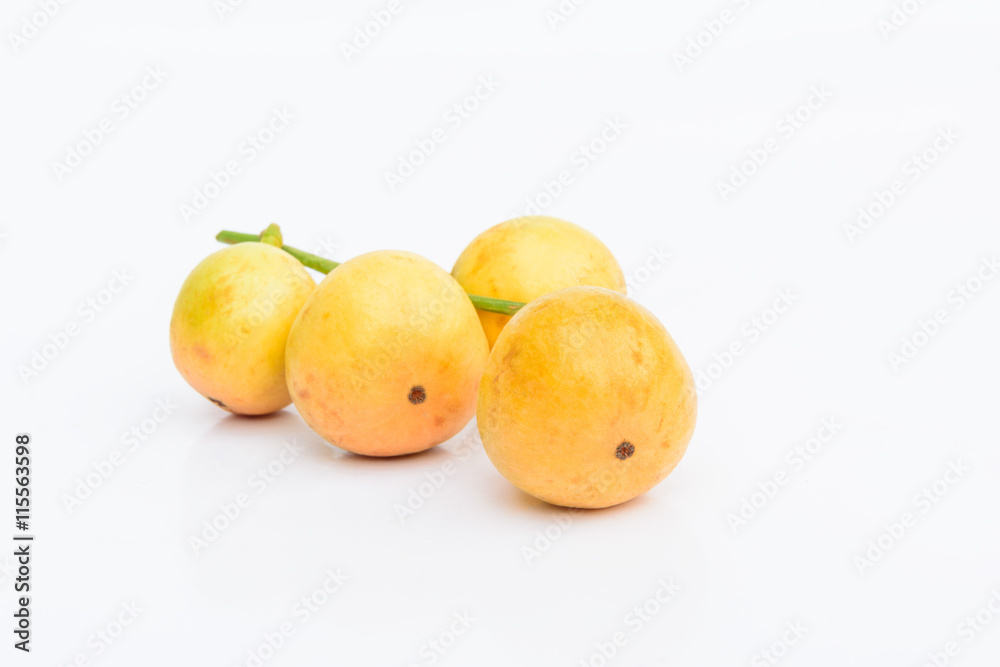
417,395
509,355
625,450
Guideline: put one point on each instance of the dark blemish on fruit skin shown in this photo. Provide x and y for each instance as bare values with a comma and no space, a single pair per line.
218,402
509,354
417,395
625,450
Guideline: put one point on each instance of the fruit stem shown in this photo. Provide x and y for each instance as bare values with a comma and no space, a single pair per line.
272,235
308,259
324,265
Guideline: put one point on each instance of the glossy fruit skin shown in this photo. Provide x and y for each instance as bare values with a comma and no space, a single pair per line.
230,323
587,401
524,258
386,356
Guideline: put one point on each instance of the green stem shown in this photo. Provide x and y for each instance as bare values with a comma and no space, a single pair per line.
492,305
272,235
323,265
308,259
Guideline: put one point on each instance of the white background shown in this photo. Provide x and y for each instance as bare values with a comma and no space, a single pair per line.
468,549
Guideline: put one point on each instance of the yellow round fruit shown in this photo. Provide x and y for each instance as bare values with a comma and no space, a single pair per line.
386,356
524,258
230,322
587,401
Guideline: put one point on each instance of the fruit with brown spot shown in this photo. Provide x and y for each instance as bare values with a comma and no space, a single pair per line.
586,401
386,356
